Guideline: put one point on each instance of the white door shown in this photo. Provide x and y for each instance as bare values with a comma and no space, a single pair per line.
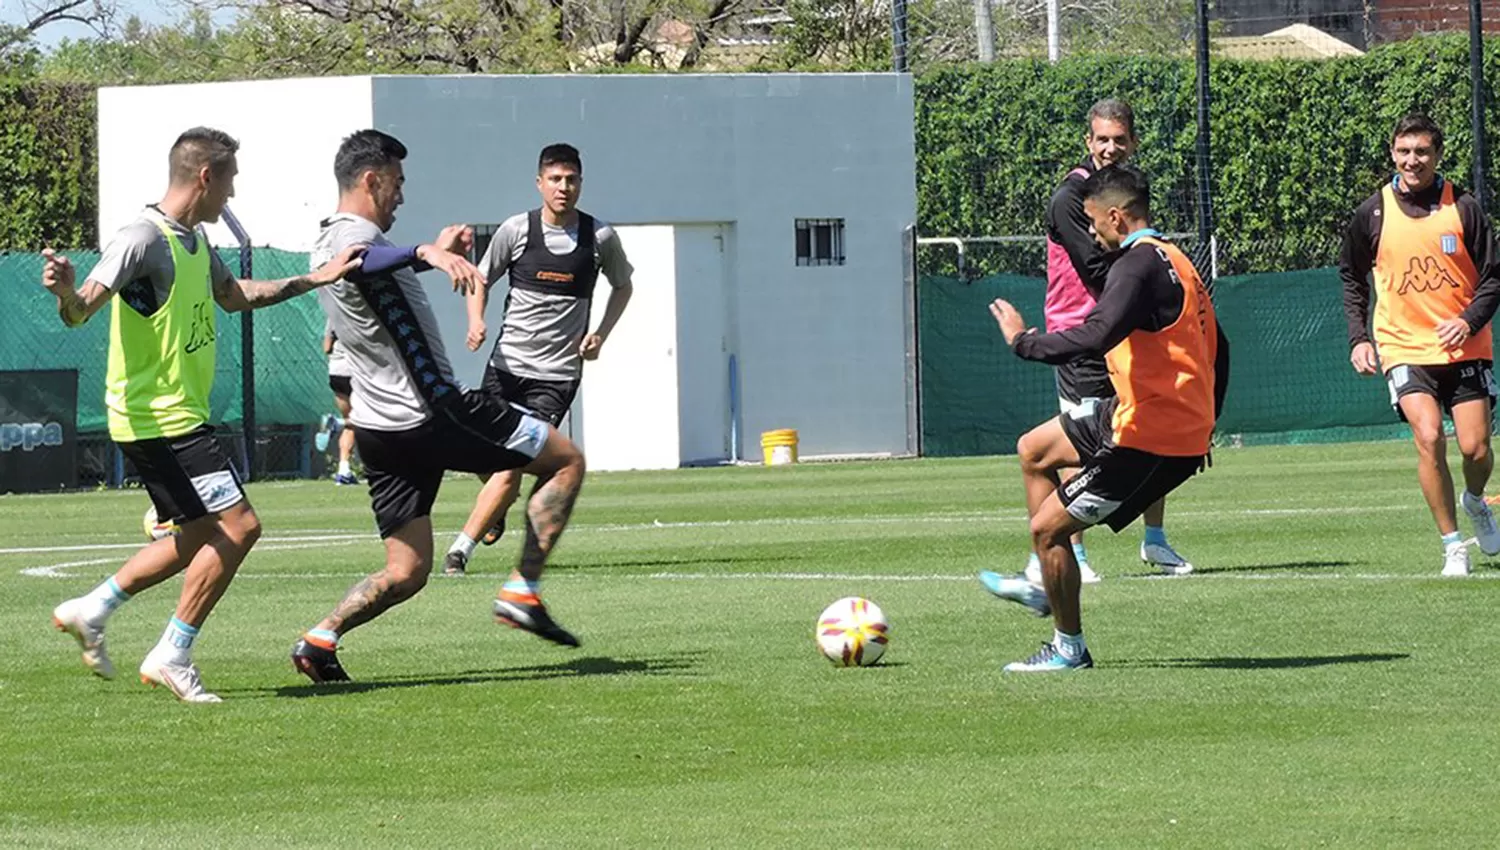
704,341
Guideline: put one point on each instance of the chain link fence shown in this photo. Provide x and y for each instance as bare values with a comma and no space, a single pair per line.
289,374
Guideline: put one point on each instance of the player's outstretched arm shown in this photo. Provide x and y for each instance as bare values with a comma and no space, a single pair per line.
74,306
239,295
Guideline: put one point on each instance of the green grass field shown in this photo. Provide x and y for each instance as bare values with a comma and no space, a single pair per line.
1315,684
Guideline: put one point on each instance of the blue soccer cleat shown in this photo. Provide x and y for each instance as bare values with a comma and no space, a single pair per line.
1049,660
1017,589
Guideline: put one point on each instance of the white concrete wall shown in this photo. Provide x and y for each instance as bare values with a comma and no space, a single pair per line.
288,131
628,402
821,349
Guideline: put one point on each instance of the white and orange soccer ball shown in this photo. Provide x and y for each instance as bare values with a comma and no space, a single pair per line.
853,632
157,530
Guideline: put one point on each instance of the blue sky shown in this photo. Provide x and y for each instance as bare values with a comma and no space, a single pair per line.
150,11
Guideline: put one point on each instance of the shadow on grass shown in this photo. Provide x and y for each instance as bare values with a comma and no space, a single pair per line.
1267,568
1283,662
500,570
679,664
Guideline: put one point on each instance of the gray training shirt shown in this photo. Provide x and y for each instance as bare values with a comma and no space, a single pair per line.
398,367
137,262
540,333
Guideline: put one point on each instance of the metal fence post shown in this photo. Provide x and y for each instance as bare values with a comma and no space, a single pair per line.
1204,149
1476,103
247,348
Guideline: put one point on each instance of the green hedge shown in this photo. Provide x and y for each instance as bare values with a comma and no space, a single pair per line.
48,165
1296,144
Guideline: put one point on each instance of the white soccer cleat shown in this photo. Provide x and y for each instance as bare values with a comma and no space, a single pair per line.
182,680
1086,575
1456,560
1165,558
1483,520
67,618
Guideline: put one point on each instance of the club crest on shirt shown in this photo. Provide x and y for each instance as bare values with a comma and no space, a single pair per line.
1449,243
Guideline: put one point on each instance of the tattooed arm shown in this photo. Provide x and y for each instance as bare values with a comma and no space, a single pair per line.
238,295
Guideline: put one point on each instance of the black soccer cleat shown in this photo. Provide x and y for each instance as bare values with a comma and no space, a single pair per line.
455,564
316,663
496,531
528,614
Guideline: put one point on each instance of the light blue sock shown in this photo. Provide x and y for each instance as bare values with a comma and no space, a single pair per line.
1450,539
1080,554
516,584
1071,646
1156,535
177,641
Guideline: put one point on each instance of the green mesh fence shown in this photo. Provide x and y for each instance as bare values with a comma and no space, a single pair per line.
1290,379
291,374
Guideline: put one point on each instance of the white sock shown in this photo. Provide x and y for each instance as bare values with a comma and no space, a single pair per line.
102,601
463,544
344,467
1071,646
176,644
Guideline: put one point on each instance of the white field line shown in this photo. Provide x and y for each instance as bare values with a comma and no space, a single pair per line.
910,519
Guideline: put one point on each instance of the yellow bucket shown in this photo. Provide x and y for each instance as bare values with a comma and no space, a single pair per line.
779,446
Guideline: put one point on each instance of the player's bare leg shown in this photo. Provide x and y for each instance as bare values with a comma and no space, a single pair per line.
1472,421
1044,451
1051,526
486,521
408,563
559,470
1426,420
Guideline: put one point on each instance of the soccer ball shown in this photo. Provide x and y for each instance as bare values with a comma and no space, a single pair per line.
156,530
852,632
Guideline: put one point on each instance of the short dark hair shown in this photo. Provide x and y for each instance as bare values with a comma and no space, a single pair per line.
559,154
1123,186
198,147
1113,109
364,151
1416,123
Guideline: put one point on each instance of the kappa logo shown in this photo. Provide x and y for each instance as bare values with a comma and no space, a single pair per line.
1078,483
1425,274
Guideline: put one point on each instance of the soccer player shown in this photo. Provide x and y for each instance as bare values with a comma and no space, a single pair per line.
1076,269
1169,363
338,381
553,255
1436,283
160,373
413,420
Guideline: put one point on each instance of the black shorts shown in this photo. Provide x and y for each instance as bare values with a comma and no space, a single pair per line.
1450,383
1116,483
187,477
547,400
474,433
1080,380
341,385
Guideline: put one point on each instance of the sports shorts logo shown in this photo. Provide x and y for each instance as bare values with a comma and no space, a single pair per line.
1425,274
1080,482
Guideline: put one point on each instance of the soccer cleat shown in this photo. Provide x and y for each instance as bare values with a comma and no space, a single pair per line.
328,425
1485,529
181,679
1049,660
67,618
455,563
1085,575
1456,560
526,612
1016,589
1165,558
496,531
316,663
345,478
